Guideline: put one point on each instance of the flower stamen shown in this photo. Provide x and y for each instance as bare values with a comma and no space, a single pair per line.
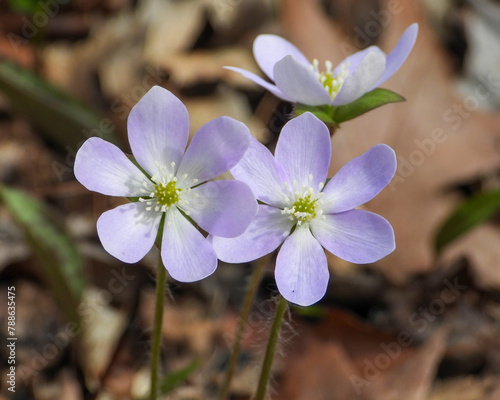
306,204
332,83
164,191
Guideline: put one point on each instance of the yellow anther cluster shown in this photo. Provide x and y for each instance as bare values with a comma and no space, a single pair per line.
167,194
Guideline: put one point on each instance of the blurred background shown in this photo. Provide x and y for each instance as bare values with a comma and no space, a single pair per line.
424,323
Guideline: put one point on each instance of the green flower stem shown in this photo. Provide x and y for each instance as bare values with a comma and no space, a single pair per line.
253,285
265,373
161,279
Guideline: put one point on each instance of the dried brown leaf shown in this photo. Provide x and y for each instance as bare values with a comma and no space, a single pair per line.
207,66
173,26
466,388
480,246
103,326
225,102
345,358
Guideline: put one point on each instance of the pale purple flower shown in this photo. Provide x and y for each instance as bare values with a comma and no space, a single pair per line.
299,81
158,129
303,214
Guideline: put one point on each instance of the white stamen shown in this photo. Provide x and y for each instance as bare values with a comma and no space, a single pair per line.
306,203
315,65
332,83
329,66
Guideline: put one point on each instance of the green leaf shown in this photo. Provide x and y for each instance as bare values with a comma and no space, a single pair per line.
32,6
24,6
53,247
472,212
324,113
367,102
174,379
62,118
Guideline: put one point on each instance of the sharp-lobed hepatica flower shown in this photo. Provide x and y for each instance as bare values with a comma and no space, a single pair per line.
300,81
302,213
173,184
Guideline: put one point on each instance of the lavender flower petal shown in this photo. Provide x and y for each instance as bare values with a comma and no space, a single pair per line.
128,232
356,236
187,255
355,59
362,79
261,82
299,82
102,167
266,232
259,169
360,180
304,149
216,148
158,129
301,268
222,208
269,49
399,54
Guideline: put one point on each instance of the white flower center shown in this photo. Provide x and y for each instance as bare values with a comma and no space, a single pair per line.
306,203
332,83
164,191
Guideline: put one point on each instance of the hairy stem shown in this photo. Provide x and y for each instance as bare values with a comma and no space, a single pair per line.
274,335
161,279
252,287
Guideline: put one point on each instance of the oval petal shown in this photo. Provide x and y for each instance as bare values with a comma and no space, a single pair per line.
300,83
129,231
102,167
355,59
266,232
216,148
186,254
222,208
261,82
357,236
304,150
301,268
158,130
360,180
265,176
362,79
269,49
399,54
